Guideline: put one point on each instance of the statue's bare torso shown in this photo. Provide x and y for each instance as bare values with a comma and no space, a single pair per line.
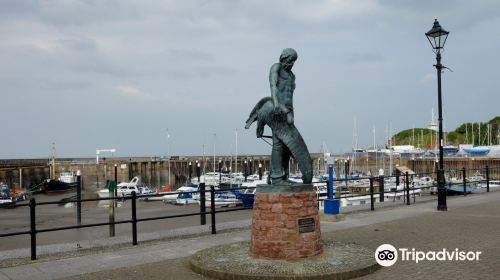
282,83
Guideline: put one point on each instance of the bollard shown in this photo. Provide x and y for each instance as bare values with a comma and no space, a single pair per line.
203,216
190,171
78,198
134,219
220,171
116,173
464,180
407,179
372,207
198,171
260,171
33,228
212,208
487,179
246,170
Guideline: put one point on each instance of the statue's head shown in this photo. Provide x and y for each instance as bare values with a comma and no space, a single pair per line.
288,57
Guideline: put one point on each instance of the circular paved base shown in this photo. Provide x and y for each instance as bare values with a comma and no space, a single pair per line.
232,261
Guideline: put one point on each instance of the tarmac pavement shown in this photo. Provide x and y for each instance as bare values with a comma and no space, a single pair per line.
471,223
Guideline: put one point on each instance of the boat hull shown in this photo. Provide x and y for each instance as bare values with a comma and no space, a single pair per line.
56,186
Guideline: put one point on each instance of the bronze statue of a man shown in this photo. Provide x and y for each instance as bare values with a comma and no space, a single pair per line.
277,112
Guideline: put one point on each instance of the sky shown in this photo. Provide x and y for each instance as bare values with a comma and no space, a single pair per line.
90,75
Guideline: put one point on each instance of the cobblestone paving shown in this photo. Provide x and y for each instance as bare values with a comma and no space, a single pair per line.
471,228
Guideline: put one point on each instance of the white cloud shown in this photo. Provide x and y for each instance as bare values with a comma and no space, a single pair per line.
429,77
326,10
133,92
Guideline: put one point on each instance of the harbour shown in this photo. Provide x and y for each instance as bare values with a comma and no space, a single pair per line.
249,140
154,172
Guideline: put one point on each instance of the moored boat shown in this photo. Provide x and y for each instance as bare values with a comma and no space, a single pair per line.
66,182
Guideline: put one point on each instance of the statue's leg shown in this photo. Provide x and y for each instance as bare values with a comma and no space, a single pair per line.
291,138
277,160
286,162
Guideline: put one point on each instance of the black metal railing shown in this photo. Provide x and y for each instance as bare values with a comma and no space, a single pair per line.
34,231
408,188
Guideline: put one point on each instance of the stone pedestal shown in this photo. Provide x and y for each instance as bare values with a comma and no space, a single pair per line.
285,222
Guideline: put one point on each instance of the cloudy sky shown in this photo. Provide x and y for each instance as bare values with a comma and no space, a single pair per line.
117,74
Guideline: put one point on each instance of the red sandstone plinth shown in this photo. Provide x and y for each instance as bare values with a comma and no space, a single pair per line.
285,225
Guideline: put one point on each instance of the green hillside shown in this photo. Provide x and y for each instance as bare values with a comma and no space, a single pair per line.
465,134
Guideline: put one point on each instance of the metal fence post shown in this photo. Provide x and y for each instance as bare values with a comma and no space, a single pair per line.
328,192
413,187
79,198
487,179
407,183
212,208
381,188
372,207
33,228
203,209
134,219
464,180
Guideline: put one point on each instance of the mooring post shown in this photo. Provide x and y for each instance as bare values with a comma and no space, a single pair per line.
246,170
198,171
190,171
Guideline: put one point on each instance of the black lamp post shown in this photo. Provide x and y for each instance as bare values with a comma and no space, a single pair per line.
437,37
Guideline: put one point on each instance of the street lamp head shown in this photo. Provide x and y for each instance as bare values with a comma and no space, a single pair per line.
437,36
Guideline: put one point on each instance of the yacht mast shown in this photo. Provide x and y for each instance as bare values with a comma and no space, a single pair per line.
204,159
375,148
472,134
466,134
390,148
214,151
53,164
479,134
236,159
355,140
413,136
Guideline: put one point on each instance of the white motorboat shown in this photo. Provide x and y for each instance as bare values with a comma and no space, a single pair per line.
222,199
126,188
493,184
172,198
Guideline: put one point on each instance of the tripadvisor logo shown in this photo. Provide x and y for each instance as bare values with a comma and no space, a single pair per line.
387,255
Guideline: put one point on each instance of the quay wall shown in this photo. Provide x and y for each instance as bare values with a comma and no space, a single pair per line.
157,172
